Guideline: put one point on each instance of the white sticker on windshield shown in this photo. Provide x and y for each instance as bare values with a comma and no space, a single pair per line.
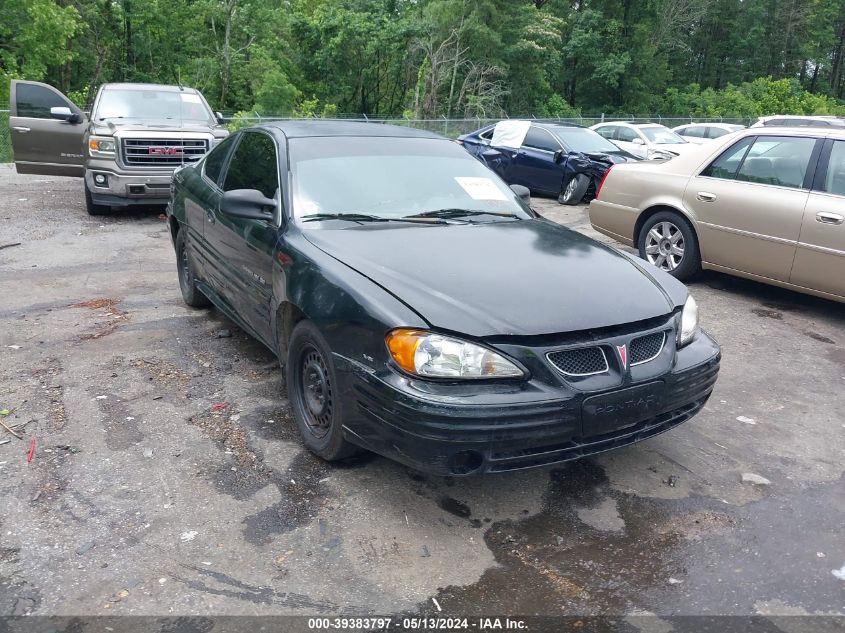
187,97
480,188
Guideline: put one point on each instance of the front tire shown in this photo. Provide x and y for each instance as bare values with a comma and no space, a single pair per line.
187,279
668,241
94,209
313,393
574,190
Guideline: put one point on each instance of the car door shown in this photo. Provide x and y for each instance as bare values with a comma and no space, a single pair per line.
694,134
820,258
42,143
243,248
631,141
203,192
533,164
749,203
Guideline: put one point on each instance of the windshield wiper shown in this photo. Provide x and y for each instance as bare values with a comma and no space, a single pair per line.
355,217
458,213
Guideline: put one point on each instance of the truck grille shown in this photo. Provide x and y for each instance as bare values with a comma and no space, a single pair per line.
161,152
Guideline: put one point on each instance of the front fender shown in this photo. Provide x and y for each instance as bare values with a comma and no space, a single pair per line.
352,312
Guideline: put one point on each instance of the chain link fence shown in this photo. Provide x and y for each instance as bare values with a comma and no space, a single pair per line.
451,127
5,141
447,127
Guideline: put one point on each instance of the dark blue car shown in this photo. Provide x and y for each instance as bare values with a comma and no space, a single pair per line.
558,159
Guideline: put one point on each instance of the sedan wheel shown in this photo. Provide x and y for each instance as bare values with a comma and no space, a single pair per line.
574,190
668,241
664,246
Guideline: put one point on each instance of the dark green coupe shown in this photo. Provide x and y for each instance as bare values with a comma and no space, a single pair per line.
423,311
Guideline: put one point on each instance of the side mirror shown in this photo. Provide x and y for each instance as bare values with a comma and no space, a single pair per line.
250,204
219,117
559,156
63,113
524,193
638,141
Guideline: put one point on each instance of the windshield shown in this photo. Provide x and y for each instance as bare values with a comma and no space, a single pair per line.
660,135
388,177
152,104
584,140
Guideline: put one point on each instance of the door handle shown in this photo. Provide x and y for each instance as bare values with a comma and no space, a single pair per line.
21,129
209,215
706,196
829,218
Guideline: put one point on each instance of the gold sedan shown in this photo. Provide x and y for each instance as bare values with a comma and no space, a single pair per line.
767,204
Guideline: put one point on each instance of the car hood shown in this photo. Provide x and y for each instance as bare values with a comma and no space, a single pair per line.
619,156
523,277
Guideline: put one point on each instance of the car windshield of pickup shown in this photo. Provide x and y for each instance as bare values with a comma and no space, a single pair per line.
395,179
154,105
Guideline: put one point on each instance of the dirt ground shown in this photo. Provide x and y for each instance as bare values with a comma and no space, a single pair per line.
167,477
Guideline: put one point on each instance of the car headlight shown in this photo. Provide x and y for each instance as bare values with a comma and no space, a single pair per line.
100,145
689,322
433,355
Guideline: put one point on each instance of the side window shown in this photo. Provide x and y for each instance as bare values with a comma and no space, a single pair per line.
716,132
696,131
253,165
488,135
777,160
626,134
35,101
215,159
609,132
538,138
726,165
834,181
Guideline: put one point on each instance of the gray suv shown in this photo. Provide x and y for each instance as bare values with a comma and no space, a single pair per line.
126,150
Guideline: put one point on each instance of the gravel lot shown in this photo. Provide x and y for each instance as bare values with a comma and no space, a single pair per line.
142,498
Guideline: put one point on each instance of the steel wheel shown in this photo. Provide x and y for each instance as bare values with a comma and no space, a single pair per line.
316,392
664,246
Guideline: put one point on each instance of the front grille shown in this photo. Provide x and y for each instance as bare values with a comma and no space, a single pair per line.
582,361
646,348
162,151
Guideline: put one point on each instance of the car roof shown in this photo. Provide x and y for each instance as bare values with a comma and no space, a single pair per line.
631,124
785,130
304,129
562,124
149,87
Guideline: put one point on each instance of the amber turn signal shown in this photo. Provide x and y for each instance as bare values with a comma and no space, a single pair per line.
403,346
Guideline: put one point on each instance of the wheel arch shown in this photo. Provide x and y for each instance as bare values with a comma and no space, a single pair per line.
287,316
654,210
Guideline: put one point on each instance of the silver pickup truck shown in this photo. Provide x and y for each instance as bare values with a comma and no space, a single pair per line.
126,151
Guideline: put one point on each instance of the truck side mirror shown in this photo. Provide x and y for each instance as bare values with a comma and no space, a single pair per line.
63,113
219,117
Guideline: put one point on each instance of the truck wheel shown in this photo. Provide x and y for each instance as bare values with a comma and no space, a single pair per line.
668,241
94,209
574,190
187,280
313,393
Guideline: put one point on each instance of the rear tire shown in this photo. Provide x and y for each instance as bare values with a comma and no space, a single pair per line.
313,393
574,190
187,280
94,209
668,241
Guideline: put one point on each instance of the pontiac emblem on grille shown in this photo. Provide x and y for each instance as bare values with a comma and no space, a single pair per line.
165,151
623,355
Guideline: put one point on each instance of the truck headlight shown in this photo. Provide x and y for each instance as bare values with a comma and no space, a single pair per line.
99,145
431,355
688,326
